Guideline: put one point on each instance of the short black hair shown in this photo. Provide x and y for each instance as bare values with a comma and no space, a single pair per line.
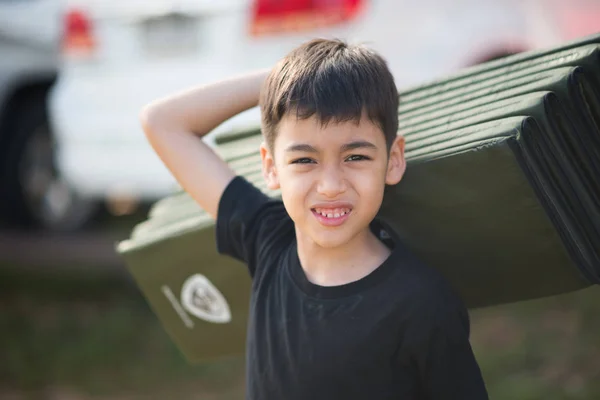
334,81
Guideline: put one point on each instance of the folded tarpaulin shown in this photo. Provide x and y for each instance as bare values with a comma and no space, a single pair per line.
500,195
574,53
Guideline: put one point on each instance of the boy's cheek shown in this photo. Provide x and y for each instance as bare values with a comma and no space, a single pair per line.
295,194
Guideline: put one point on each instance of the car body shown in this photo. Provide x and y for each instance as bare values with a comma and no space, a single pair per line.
144,50
31,190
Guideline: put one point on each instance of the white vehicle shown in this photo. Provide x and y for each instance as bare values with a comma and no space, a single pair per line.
118,56
32,192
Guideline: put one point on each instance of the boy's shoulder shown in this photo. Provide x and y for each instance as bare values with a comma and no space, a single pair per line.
418,284
250,225
435,300
422,302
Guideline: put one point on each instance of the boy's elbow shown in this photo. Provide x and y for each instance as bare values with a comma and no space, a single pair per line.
149,118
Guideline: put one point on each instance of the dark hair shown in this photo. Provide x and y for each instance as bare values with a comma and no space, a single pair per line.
334,81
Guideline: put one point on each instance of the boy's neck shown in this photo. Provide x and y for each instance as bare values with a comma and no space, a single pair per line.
341,265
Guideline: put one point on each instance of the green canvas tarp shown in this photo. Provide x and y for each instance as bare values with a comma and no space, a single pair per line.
501,195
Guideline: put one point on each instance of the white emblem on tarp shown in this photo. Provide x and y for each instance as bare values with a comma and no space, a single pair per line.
202,299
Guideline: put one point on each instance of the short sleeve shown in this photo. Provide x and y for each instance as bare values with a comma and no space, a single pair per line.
247,221
442,353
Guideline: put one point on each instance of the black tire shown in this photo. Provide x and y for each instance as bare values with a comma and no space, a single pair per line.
33,194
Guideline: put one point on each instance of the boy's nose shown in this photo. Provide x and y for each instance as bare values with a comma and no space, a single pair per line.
331,183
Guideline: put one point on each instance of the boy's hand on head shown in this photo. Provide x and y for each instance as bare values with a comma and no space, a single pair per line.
174,125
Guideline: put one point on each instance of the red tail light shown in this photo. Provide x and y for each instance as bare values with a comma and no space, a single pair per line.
275,16
78,36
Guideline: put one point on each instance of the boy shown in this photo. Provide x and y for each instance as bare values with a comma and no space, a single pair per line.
339,308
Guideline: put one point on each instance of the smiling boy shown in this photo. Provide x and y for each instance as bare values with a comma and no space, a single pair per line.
340,309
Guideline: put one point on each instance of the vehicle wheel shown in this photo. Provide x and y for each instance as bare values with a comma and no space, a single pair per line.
35,194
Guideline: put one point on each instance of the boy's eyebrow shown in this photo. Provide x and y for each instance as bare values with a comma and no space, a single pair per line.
307,148
303,147
359,144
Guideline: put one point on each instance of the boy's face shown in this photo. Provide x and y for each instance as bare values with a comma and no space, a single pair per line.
331,178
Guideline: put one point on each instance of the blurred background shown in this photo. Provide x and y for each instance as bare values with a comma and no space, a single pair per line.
76,175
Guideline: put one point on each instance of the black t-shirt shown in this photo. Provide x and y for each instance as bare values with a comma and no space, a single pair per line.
398,333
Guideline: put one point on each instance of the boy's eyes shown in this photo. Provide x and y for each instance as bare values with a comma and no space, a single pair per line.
303,161
357,157
353,157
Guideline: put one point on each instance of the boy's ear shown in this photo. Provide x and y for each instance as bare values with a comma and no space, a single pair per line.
268,167
396,162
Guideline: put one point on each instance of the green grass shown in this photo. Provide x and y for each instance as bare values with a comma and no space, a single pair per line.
94,337
543,349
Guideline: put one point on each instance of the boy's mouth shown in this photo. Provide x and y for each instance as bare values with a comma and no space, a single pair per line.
331,216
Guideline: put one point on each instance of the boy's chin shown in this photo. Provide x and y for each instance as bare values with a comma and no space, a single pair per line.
331,240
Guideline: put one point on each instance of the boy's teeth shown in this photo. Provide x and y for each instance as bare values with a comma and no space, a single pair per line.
338,212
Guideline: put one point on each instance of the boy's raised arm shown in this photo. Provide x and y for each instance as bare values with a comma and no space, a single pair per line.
174,125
